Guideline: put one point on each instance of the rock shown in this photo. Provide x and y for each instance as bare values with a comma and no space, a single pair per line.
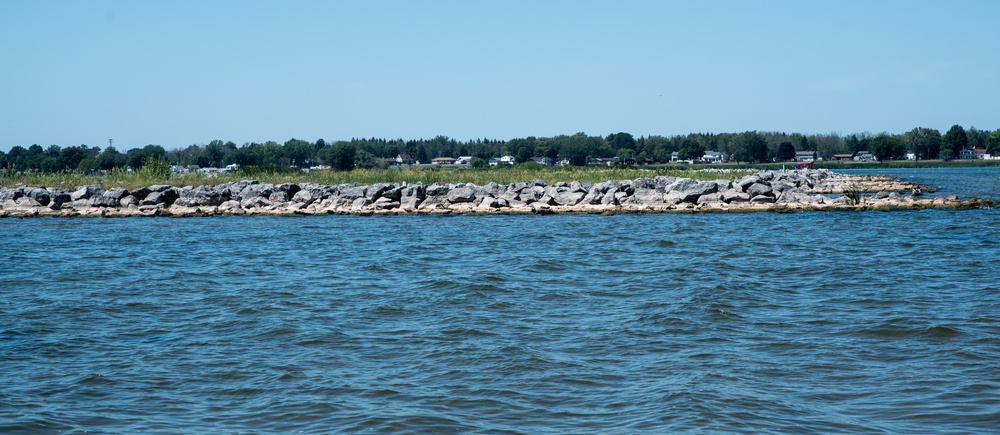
360,203
59,196
10,194
735,195
384,203
116,193
280,196
566,196
129,200
462,194
691,192
759,189
39,194
103,201
86,192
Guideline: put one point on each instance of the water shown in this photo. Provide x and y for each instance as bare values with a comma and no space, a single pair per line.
813,322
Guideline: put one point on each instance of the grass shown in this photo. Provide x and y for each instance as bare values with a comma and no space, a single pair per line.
425,175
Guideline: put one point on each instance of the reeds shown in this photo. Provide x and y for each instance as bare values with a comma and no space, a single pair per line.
410,175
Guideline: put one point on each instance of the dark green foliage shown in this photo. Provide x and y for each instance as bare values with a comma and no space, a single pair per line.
925,143
690,150
993,142
886,146
955,140
342,156
786,151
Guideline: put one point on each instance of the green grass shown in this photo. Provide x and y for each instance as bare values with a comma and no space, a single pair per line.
425,175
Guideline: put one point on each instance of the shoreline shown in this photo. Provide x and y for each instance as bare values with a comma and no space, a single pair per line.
765,191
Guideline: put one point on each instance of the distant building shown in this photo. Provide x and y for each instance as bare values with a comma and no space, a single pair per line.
805,156
463,160
507,160
404,159
843,156
974,153
712,157
544,161
864,156
443,161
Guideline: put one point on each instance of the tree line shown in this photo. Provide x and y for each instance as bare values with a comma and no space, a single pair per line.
577,149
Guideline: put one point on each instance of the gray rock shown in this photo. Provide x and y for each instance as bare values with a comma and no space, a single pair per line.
10,194
735,195
153,198
59,196
360,203
385,203
86,192
257,190
566,196
39,194
711,198
279,196
759,189
103,201
129,200
462,194
692,192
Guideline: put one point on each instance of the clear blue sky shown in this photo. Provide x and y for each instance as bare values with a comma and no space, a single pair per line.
176,73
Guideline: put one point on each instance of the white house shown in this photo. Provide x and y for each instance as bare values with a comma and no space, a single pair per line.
712,157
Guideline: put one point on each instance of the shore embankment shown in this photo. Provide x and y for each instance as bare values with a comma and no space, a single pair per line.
763,191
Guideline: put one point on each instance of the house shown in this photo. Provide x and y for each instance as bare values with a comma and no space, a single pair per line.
864,156
544,161
843,156
507,160
463,160
975,153
443,161
675,159
805,156
494,161
604,161
404,159
712,157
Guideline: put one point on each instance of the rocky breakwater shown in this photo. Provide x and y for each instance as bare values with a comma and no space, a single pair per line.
764,191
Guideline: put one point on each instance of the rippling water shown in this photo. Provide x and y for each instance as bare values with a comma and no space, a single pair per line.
805,322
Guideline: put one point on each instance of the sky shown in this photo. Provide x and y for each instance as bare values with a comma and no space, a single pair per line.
182,72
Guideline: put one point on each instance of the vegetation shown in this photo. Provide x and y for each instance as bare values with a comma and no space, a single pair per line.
504,175
362,160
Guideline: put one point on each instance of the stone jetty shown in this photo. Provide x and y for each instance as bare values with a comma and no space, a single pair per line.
763,191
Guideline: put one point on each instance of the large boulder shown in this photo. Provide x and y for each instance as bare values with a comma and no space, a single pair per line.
10,194
59,196
690,192
39,194
759,189
462,194
86,192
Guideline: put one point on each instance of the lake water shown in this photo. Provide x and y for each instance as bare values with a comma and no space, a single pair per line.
816,322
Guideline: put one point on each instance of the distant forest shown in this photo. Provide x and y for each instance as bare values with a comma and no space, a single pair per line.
577,149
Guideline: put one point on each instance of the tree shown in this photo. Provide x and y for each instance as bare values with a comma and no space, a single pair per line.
749,147
690,150
925,143
786,151
886,146
621,140
342,156
993,142
955,140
